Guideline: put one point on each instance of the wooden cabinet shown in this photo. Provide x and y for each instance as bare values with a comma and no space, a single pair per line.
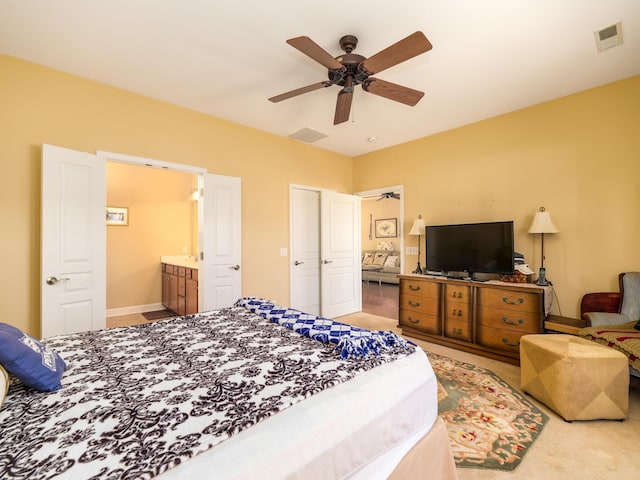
486,318
170,287
191,292
180,289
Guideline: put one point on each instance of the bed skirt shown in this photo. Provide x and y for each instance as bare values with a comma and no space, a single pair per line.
430,459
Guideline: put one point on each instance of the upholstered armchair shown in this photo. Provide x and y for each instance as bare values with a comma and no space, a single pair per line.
610,308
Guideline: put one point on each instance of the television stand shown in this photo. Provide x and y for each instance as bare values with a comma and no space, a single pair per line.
485,318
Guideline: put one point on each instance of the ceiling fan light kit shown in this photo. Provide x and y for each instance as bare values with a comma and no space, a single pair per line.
350,69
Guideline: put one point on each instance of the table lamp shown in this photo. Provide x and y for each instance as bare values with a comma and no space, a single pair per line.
416,229
542,224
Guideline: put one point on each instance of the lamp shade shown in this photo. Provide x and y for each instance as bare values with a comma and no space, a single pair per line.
418,226
542,223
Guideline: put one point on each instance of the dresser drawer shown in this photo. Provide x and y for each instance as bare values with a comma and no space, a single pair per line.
457,293
460,329
510,300
427,306
420,288
457,311
527,322
420,321
500,339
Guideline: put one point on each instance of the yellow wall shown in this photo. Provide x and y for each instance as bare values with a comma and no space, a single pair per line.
161,222
40,105
579,156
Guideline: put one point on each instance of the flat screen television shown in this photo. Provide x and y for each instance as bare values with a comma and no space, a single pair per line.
470,248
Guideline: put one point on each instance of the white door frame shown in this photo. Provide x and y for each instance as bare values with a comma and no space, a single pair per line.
378,192
176,167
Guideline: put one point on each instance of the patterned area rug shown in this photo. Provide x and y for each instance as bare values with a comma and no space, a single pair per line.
490,424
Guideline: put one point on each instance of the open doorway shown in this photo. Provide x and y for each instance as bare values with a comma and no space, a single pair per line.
382,249
162,222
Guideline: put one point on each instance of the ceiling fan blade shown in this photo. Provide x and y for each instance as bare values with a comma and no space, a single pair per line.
316,52
343,106
407,48
300,91
392,91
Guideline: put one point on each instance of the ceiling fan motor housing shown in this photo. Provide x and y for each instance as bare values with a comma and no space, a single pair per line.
351,62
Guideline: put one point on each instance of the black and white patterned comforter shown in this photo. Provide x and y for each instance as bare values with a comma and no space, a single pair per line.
137,401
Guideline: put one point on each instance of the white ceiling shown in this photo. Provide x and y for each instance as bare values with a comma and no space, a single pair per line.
225,58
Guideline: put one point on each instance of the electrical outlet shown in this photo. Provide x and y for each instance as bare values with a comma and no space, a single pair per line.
411,250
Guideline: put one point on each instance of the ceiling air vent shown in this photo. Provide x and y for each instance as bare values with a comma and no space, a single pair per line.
307,135
609,37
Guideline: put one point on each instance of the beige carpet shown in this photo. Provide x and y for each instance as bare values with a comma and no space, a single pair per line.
599,450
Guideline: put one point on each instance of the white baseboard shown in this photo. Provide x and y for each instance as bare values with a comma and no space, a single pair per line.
116,312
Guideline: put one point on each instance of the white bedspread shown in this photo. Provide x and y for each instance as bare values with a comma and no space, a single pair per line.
225,394
370,420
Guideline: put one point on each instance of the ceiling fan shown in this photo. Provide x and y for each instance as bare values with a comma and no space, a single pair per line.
350,69
389,195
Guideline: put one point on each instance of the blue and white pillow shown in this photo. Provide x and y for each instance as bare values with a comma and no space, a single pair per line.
29,360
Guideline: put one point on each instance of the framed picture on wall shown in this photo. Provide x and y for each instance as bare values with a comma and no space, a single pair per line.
387,228
118,216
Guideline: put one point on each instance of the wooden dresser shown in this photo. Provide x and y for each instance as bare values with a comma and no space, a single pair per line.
486,318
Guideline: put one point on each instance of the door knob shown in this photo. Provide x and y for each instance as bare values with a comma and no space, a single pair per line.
235,267
327,261
297,263
54,280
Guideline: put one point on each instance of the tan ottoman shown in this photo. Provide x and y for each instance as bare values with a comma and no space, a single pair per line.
577,378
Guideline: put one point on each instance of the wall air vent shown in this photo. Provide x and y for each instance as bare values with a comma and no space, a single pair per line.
307,135
609,37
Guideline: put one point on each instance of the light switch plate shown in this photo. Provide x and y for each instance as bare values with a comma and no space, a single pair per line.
411,250
283,251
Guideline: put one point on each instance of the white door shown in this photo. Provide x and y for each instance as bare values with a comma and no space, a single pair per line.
220,244
325,230
341,290
73,241
305,250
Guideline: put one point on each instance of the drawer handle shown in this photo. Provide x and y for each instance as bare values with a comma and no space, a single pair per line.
456,332
457,294
410,302
519,301
457,312
511,322
506,342
414,288
412,320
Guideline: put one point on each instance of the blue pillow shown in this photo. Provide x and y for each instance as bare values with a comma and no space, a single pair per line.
29,360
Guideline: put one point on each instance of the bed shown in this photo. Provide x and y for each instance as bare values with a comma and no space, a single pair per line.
255,391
